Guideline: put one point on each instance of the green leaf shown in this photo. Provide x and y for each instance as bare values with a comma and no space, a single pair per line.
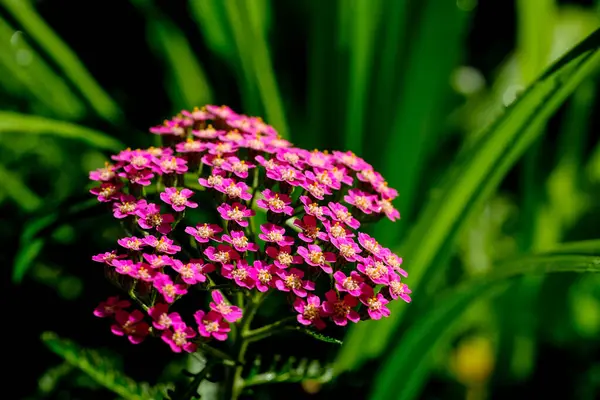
20,193
290,371
15,123
410,358
100,369
470,181
35,26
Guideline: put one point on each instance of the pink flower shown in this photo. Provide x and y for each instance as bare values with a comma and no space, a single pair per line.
376,303
110,306
264,275
310,311
318,159
289,175
132,243
230,313
369,244
392,260
130,325
360,200
214,180
222,254
103,174
215,161
197,114
144,272
340,310
190,146
350,284
369,175
388,209
348,249
150,217
170,165
168,289
204,232
208,133
283,256
314,209
341,214
239,240
316,189
220,148
178,199
162,245
178,338
108,257
325,178
170,128
294,157
107,191
161,319
376,270
275,202
234,190
189,274
310,231
141,177
291,280
211,324
384,190
126,207
342,176
238,167
139,159
316,257
275,234
235,213
125,267
350,160
398,289
240,274
268,165
157,261
337,230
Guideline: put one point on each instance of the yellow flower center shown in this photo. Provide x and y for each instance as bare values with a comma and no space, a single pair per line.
350,284
315,209
164,320
275,236
264,276
218,161
310,312
177,199
215,180
169,290
316,257
108,191
139,161
186,271
288,175
373,303
162,245
240,273
341,309
235,214
127,207
170,164
205,231
180,338
284,258
211,326
347,250
337,231
222,256
223,308
154,219
342,215
292,158
239,166
277,203
361,202
240,242
376,270
293,281
144,273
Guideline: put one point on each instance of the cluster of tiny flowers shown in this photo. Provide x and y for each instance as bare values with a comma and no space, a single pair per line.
309,246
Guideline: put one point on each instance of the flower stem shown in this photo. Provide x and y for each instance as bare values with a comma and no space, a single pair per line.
267,330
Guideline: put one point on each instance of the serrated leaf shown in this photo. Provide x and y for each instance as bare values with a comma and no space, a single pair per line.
410,360
291,371
100,369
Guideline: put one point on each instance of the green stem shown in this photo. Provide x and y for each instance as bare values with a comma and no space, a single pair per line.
267,330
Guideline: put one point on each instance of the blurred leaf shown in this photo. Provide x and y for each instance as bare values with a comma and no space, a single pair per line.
290,371
188,85
18,190
211,19
469,182
410,357
24,13
52,377
100,369
36,231
15,123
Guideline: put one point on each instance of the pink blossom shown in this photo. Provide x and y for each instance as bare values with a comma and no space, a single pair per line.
238,167
201,266
215,161
275,234
275,202
376,270
197,114
139,159
125,267
268,165
108,257
337,230
211,324
204,232
291,280
341,214
150,217
240,242
289,175
376,303
178,338
168,289
161,318
369,244
398,289
318,159
110,306
388,209
220,148
188,273
342,176
315,189
384,190
103,174
141,177
293,156
350,284
170,165
283,256
392,260
340,310
130,325
170,128
144,272
127,206
314,209
316,257
235,213
107,191
230,313
369,175
190,146
360,200
132,243
234,190
157,260
208,133
347,249
240,274
310,311
178,199
234,136
325,178
213,180
162,245
350,160
264,275
222,254
310,230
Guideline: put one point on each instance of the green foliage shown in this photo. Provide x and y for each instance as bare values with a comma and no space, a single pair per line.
290,370
101,369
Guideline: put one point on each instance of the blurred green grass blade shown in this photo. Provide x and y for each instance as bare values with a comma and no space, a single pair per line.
31,72
409,361
64,57
187,83
100,368
418,105
211,18
363,28
470,181
15,123
18,191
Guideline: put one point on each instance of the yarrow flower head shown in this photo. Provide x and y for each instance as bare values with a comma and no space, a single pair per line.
226,211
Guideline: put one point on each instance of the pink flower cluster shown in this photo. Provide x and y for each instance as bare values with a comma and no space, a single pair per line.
286,219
